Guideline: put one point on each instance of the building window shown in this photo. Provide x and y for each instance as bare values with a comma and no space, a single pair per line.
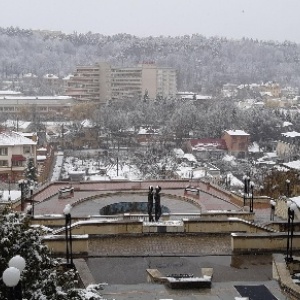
16,163
3,151
3,163
26,149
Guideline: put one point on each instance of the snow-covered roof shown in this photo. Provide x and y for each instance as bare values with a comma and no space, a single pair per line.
196,97
68,77
178,152
50,76
10,93
19,98
266,94
190,157
147,131
41,157
12,194
29,75
13,124
202,144
11,138
291,134
236,132
293,164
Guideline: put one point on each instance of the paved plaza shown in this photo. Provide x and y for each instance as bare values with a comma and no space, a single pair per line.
121,261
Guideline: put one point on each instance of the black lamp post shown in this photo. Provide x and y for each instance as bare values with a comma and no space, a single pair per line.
251,200
246,180
272,213
288,187
23,185
69,252
290,230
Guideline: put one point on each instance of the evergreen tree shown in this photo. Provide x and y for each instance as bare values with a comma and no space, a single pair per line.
31,171
43,276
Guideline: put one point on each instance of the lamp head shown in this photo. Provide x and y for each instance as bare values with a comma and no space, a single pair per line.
11,276
67,209
293,206
18,262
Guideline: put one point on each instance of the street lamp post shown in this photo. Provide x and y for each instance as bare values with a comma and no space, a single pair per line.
272,213
252,196
288,187
68,229
245,188
11,277
246,180
290,231
23,187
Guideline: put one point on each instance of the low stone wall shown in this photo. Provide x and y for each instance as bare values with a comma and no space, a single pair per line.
222,226
85,276
53,221
57,244
260,243
105,227
282,274
98,227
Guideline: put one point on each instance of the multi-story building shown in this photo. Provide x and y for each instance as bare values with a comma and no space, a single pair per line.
288,146
44,107
102,83
237,142
15,150
90,83
126,83
272,88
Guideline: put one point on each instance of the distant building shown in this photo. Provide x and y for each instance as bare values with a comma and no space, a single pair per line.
207,148
288,146
15,150
271,88
101,82
237,142
47,106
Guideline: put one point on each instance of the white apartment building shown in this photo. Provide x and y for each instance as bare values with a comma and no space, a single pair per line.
101,82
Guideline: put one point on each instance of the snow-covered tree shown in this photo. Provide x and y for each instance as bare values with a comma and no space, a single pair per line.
31,171
43,276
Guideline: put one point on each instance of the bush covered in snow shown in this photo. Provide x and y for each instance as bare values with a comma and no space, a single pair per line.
43,277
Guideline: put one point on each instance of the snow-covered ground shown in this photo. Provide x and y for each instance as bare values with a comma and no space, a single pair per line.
109,169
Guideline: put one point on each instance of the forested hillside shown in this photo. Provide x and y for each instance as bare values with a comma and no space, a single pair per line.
203,64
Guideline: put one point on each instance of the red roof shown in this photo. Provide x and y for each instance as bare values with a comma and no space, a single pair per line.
205,142
18,158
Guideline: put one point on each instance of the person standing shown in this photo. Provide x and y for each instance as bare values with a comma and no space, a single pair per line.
157,203
150,203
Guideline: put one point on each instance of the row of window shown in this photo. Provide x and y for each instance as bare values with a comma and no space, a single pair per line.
4,150
4,163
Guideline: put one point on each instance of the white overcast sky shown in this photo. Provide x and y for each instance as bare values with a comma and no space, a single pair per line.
262,19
